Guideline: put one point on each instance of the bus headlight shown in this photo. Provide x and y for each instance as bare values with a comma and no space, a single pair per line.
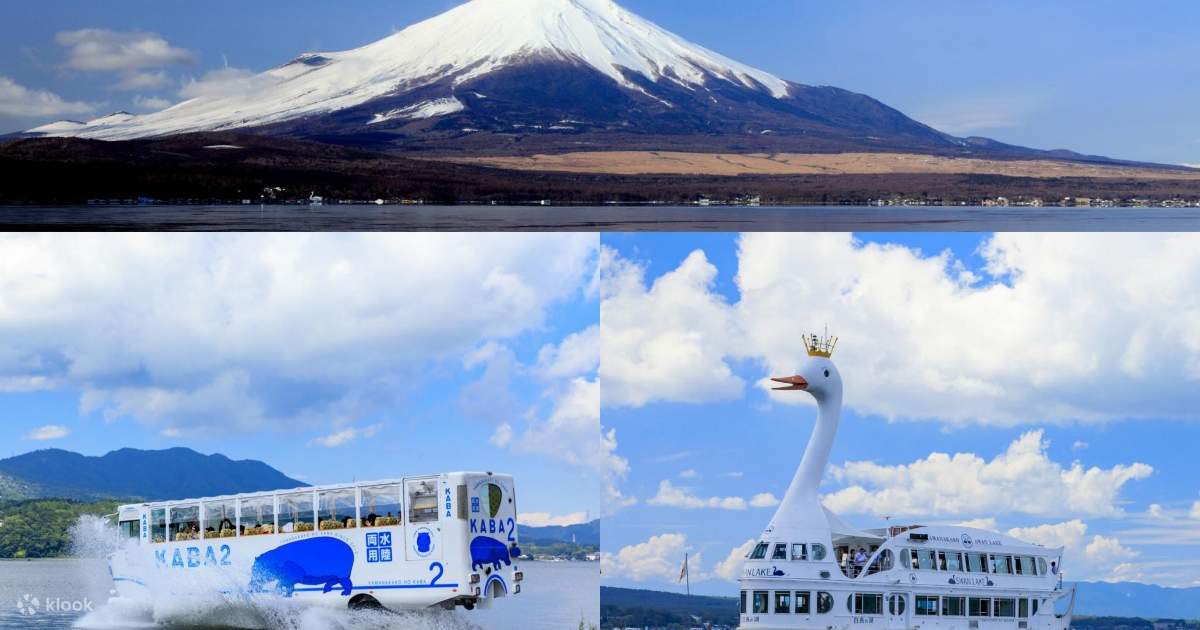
518,576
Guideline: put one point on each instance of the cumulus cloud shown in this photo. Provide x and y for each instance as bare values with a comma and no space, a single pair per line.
578,354
346,436
97,49
150,103
690,473
18,100
1062,327
225,82
134,81
546,519
1022,479
246,333
659,341
670,495
764,500
659,558
1086,558
731,567
48,432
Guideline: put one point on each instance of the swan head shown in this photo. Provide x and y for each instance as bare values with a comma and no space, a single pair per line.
817,375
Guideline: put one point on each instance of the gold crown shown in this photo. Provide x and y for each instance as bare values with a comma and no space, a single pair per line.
820,346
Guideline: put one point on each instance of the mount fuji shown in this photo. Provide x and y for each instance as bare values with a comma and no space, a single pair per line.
510,76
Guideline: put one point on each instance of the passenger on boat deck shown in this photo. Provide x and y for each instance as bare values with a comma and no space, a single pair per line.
371,519
1053,567
860,560
226,524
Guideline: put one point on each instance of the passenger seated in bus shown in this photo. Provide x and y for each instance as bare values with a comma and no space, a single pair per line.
348,522
289,528
371,519
226,524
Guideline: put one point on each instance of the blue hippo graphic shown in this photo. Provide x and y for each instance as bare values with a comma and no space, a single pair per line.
315,561
485,551
424,542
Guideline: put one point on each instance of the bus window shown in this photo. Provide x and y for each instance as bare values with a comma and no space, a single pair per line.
158,525
258,516
219,519
422,501
185,522
380,506
337,509
296,512
130,529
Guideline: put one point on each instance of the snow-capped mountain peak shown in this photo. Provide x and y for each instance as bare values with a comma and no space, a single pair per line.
468,42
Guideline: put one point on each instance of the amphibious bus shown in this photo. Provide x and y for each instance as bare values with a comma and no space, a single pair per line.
444,540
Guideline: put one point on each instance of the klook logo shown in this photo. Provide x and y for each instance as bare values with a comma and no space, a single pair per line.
29,605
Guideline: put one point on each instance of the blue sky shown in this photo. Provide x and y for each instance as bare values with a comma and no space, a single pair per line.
1055,372
1106,77
331,358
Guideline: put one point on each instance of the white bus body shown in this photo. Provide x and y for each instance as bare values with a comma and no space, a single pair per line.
418,542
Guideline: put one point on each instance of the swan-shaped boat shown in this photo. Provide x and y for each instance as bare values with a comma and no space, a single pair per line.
811,570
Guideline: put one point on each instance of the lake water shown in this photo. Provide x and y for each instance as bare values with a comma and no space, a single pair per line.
602,219
554,596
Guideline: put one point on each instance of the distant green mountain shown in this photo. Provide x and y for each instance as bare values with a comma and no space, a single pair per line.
587,534
177,473
633,608
1129,599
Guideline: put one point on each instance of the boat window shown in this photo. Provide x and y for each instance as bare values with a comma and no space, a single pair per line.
803,602
760,551
954,561
1005,608
896,604
760,602
799,551
954,606
979,607
296,512
883,562
925,559
977,563
380,506
158,525
184,522
336,509
824,603
780,552
1026,566
257,516
422,501
1033,606
865,603
130,529
927,605
1002,565
742,604
1023,608
1042,568
818,553
220,519
783,602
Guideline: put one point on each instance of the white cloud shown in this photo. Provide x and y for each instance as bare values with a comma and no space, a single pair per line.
974,114
764,500
1062,327
545,519
134,81
18,100
690,473
225,82
1079,445
670,495
657,341
150,103
730,568
578,354
659,558
1156,511
97,49
1095,558
346,436
979,523
1023,479
1195,513
254,332
48,432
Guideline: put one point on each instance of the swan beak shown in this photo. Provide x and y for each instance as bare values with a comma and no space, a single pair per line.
794,383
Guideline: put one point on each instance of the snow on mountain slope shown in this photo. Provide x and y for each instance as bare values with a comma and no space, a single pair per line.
467,42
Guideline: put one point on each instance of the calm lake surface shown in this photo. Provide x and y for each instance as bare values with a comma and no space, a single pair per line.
590,219
555,596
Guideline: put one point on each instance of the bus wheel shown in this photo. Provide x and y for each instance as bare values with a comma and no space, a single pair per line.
364,602
469,605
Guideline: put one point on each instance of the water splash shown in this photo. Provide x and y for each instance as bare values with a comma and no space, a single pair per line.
93,538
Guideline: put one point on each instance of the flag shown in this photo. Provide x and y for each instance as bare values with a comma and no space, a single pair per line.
683,573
